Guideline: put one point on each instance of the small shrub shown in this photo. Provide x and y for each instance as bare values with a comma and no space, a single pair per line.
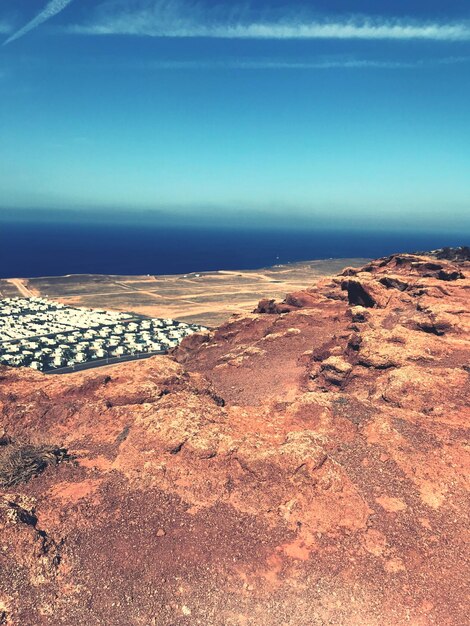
19,463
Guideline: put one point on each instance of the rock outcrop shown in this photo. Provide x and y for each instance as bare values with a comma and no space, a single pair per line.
300,466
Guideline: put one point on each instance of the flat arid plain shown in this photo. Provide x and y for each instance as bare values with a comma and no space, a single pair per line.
207,298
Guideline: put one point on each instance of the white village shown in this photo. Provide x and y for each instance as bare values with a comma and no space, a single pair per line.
47,335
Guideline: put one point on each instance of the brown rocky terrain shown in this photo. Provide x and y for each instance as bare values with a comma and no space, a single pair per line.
303,465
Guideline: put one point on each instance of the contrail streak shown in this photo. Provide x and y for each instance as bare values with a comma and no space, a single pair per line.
52,8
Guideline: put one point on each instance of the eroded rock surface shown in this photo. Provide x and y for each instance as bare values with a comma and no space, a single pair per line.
300,466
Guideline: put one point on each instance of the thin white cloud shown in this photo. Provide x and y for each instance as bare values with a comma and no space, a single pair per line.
345,30
52,8
325,64
172,19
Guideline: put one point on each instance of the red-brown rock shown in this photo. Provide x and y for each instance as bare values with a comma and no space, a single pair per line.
297,468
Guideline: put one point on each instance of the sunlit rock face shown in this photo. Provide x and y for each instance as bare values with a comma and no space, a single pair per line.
299,466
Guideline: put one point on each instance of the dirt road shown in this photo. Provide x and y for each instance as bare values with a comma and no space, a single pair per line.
22,287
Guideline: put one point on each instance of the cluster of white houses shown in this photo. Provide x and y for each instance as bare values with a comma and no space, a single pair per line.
47,335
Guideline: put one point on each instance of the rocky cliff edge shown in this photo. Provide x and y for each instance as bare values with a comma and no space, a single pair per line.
303,465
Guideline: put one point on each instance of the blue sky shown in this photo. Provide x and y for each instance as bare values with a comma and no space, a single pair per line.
306,113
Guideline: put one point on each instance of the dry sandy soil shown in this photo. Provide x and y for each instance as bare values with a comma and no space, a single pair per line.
208,298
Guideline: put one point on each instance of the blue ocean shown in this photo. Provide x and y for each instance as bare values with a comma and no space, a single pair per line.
50,249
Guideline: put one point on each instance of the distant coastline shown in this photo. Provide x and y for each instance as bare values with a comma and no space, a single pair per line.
207,298
29,249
